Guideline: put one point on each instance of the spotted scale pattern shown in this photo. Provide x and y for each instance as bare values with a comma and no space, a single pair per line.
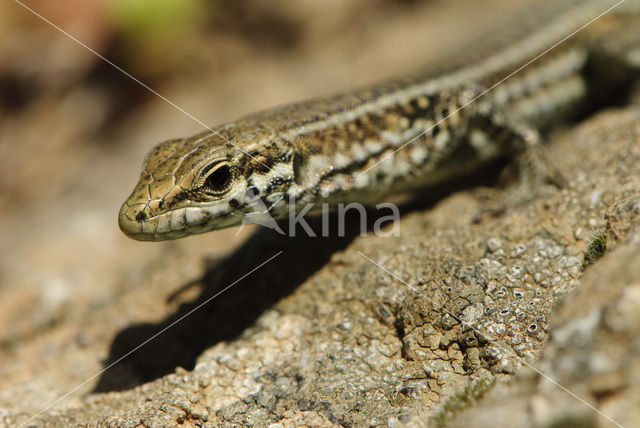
394,137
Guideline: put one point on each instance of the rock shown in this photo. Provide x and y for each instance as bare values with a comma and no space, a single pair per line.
348,344
102,331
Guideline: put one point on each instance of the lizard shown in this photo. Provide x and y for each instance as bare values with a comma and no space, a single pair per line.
493,99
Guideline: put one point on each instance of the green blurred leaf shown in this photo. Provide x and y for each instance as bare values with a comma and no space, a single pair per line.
145,18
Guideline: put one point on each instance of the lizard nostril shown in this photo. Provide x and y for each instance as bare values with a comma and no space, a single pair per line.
141,216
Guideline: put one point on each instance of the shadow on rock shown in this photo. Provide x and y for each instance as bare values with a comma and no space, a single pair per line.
228,315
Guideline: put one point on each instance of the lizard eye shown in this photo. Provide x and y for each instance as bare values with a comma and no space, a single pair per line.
219,179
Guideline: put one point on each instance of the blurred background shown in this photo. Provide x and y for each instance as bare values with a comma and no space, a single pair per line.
74,131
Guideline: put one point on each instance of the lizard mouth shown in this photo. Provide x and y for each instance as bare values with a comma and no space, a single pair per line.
136,223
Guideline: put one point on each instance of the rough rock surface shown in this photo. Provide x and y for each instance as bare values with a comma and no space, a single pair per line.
350,345
470,303
593,350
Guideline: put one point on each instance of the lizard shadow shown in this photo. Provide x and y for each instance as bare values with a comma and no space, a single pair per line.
228,315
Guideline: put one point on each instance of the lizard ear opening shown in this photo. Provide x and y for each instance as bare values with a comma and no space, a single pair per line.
299,167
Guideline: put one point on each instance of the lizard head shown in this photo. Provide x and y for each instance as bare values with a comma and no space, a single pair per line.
206,182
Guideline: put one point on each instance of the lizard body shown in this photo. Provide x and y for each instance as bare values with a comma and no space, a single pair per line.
394,137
